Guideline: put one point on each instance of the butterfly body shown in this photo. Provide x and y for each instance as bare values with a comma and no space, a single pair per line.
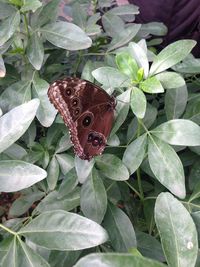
87,110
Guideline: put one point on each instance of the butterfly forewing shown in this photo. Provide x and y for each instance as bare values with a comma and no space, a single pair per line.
87,110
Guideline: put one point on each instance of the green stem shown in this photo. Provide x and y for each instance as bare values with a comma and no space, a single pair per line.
26,24
138,170
134,190
108,188
78,62
7,229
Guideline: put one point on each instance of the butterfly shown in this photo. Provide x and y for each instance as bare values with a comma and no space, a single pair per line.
87,110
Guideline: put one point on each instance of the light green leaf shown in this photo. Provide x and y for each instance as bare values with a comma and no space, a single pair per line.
125,36
24,202
121,110
120,229
8,27
134,153
140,55
30,5
171,55
151,85
94,198
52,173
2,68
138,102
63,230
127,65
35,51
16,94
177,231
66,35
66,162
16,175
116,260
21,255
46,112
68,184
112,167
178,132
112,24
193,110
53,201
166,166
14,123
111,77
175,102
83,168
170,80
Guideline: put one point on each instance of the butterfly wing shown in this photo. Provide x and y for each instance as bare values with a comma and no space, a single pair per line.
87,110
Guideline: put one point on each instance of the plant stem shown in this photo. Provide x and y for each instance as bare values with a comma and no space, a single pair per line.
7,229
138,170
26,24
78,62
134,190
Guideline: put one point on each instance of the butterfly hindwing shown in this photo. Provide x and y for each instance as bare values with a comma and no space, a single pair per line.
87,110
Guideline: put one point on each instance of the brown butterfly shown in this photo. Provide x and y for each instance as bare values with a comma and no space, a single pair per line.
87,110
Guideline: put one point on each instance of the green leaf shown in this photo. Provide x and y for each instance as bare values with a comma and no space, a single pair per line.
46,14
35,51
175,102
52,173
196,218
170,80
125,36
66,35
124,10
178,132
177,231
112,167
171,55
83,168
166,166
112,24
21,255
30,5
6,10
116,260
140,55
151,85
24,202
134,153
120,229
127,65
149,246
16,175
2,68
94,198
66,162
53,201
121,110
63,230
193,110
8,27
138,102
14,123
68,184
15,95
111,77
46,112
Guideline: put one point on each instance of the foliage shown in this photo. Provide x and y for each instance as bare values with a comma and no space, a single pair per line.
117,209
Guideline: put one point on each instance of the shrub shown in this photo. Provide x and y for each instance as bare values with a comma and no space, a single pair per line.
137,204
